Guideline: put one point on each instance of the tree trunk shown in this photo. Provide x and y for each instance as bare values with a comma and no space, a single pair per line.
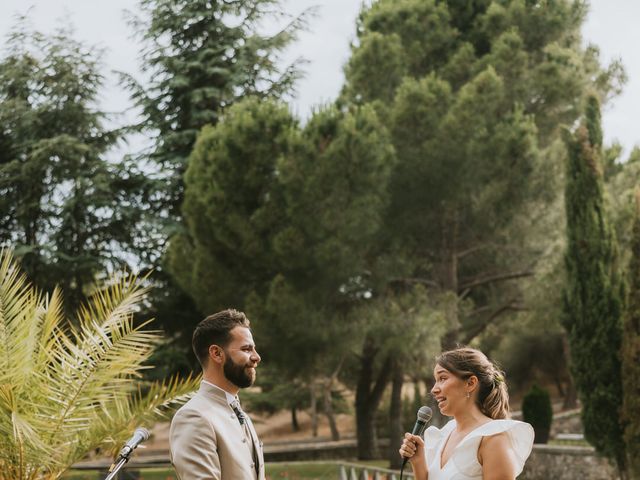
571,395
295,426
328,410
314,411
395,417
623,472
418,399
451,339
368,397
557,379
449,281
366,433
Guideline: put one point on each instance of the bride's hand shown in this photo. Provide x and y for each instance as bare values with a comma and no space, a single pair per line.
412,447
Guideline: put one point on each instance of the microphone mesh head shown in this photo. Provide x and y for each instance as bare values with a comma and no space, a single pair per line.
424,414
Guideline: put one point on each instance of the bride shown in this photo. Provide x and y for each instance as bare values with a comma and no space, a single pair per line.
480,442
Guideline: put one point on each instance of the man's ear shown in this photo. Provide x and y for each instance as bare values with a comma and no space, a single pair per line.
216,354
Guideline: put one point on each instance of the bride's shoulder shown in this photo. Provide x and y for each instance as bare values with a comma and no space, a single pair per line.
514,428
512,435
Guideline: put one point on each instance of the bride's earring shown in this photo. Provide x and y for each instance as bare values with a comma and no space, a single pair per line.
468,395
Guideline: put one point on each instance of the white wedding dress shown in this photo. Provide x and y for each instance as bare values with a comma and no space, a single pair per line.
463,463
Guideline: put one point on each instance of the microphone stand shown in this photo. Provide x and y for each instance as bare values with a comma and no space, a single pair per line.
115,468
139,436
123,457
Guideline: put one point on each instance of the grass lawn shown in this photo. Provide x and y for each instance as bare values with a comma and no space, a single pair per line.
572,443
274,471
295,470
312,470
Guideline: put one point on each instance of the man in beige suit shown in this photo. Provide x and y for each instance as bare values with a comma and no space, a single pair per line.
211,437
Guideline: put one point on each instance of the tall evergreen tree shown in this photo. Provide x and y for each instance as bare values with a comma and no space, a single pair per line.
233,206
631,355
68,211
593,301
200,57
335,186
279,222
472,95
467,106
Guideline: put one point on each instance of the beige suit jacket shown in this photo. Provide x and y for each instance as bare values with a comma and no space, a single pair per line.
207,441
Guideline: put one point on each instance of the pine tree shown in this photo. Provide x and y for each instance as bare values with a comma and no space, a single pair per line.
200,57
335,185
68,210
593,298
279,222
472,93
631,355
233,206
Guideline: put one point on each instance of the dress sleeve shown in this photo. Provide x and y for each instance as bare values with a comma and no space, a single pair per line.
433,437
520,436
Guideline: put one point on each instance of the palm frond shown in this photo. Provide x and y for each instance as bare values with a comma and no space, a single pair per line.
17,299
95,366
111,304
150,404
22,440
23,347
66,389
52,319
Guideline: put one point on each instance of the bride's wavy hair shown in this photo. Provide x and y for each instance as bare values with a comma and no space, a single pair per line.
465,362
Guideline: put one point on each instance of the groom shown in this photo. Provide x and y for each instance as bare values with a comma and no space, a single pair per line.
211,437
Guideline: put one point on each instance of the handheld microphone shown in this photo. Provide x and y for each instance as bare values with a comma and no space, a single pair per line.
424,415
139,436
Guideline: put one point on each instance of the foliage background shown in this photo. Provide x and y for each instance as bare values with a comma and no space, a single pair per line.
421,209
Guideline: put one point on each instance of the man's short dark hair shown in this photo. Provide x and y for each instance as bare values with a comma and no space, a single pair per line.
216,330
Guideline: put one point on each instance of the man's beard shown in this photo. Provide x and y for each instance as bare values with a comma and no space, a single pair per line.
237,374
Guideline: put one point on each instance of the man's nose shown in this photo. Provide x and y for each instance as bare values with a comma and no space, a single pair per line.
255,357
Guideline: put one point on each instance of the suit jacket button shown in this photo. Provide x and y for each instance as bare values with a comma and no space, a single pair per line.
253,465
244,440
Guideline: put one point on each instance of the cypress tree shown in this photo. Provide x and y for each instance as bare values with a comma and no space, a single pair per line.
631,355
593,301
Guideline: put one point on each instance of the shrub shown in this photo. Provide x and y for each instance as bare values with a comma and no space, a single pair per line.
536,410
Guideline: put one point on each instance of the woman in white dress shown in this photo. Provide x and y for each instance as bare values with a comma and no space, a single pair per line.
480,442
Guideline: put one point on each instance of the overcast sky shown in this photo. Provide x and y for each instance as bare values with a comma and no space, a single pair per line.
612,25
